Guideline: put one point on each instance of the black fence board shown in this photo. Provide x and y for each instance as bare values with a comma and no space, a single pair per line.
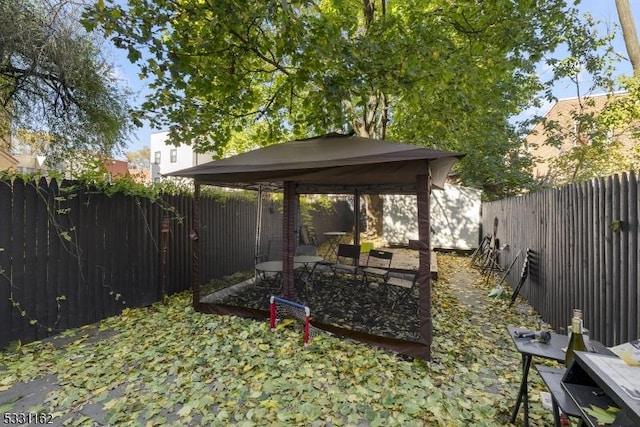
6,216
608,267
53,264
84,226
19,325
604,217
633,230
624,256
41,290
28,300
616,262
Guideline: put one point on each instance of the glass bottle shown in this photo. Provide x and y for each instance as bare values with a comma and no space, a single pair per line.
576,342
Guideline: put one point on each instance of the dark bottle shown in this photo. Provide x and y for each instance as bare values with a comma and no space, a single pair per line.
576,342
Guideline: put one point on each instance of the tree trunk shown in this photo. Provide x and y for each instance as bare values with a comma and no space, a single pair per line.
629,33
371,122
374,207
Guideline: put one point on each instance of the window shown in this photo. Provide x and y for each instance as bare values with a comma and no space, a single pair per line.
156,157
174,155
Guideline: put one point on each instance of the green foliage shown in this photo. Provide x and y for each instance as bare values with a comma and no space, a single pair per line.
600,135
55,80
310,204
601,415
231,75
604,137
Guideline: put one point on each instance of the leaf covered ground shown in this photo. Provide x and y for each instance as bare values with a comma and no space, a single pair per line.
168,365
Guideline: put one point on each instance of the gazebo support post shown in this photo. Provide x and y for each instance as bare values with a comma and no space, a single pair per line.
423,188
356,217
195,247
288,238
258,222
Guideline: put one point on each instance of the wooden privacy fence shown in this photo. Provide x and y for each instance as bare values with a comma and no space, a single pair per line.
584,239
70,256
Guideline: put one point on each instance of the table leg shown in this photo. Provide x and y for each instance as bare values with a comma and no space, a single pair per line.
523,393
332,252
556,413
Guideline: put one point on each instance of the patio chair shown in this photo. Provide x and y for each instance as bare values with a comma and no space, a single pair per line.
346,260
273,253
378,265
402,286
308,236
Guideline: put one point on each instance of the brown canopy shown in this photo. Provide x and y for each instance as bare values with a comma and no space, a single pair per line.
333,163
330,164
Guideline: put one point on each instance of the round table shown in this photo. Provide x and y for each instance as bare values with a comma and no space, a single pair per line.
334,238
271,271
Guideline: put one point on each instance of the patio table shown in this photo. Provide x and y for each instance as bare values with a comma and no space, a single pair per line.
271,271
528,348
308,265
334,238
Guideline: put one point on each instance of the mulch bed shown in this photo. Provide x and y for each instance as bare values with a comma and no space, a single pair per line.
343,302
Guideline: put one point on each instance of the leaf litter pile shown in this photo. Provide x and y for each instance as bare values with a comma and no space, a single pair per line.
342,302
168,365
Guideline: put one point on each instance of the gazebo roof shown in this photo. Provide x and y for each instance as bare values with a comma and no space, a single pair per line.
332,163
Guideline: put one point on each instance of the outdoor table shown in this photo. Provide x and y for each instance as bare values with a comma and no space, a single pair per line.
271,271
307,265
334,238
560,400
528,348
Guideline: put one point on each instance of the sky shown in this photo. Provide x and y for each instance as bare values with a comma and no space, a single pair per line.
601,10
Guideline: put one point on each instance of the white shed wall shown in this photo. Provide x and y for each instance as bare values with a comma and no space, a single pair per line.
455,218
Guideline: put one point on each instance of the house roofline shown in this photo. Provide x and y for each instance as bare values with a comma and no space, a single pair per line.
597,95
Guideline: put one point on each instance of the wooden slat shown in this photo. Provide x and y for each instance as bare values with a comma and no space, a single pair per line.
633,291
41,288
616,264
17,271
55,263
624,259
6,227
83,225
28,300
74,262
589,230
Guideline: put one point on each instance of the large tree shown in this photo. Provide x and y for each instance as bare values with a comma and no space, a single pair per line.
54,80
441,73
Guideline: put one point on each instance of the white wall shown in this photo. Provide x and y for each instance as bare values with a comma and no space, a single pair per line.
185,156
455,218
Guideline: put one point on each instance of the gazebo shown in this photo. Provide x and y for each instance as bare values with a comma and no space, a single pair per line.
332,164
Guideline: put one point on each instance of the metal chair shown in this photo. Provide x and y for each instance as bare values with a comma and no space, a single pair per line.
273,253
402,286
378,265
347,260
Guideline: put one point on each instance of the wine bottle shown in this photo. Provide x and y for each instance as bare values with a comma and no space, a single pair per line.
576,342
